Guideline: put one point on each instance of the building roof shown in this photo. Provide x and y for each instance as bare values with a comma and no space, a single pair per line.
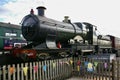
9,25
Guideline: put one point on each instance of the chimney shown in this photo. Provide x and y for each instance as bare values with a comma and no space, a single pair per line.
41,10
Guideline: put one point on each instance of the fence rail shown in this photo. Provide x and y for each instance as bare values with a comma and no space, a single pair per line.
61,69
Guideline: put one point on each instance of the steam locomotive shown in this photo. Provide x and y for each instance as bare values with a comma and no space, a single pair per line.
48,38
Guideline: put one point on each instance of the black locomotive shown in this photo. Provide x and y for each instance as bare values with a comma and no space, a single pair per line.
48,38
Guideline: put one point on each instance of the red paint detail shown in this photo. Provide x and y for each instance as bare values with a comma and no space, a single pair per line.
58,45
8,47
31,53
32,11
78,63
115,42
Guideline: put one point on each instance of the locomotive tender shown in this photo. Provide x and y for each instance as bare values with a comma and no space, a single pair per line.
48,38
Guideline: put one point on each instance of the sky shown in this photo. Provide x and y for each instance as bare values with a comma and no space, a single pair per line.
105,14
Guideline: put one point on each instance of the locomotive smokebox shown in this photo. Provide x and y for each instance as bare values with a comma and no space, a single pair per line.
41,10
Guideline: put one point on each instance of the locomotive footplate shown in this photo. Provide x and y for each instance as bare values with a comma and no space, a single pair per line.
43,54
83,48
53,50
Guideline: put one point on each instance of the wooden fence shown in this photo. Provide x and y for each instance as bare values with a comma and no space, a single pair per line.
61,69
58,69
90,69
